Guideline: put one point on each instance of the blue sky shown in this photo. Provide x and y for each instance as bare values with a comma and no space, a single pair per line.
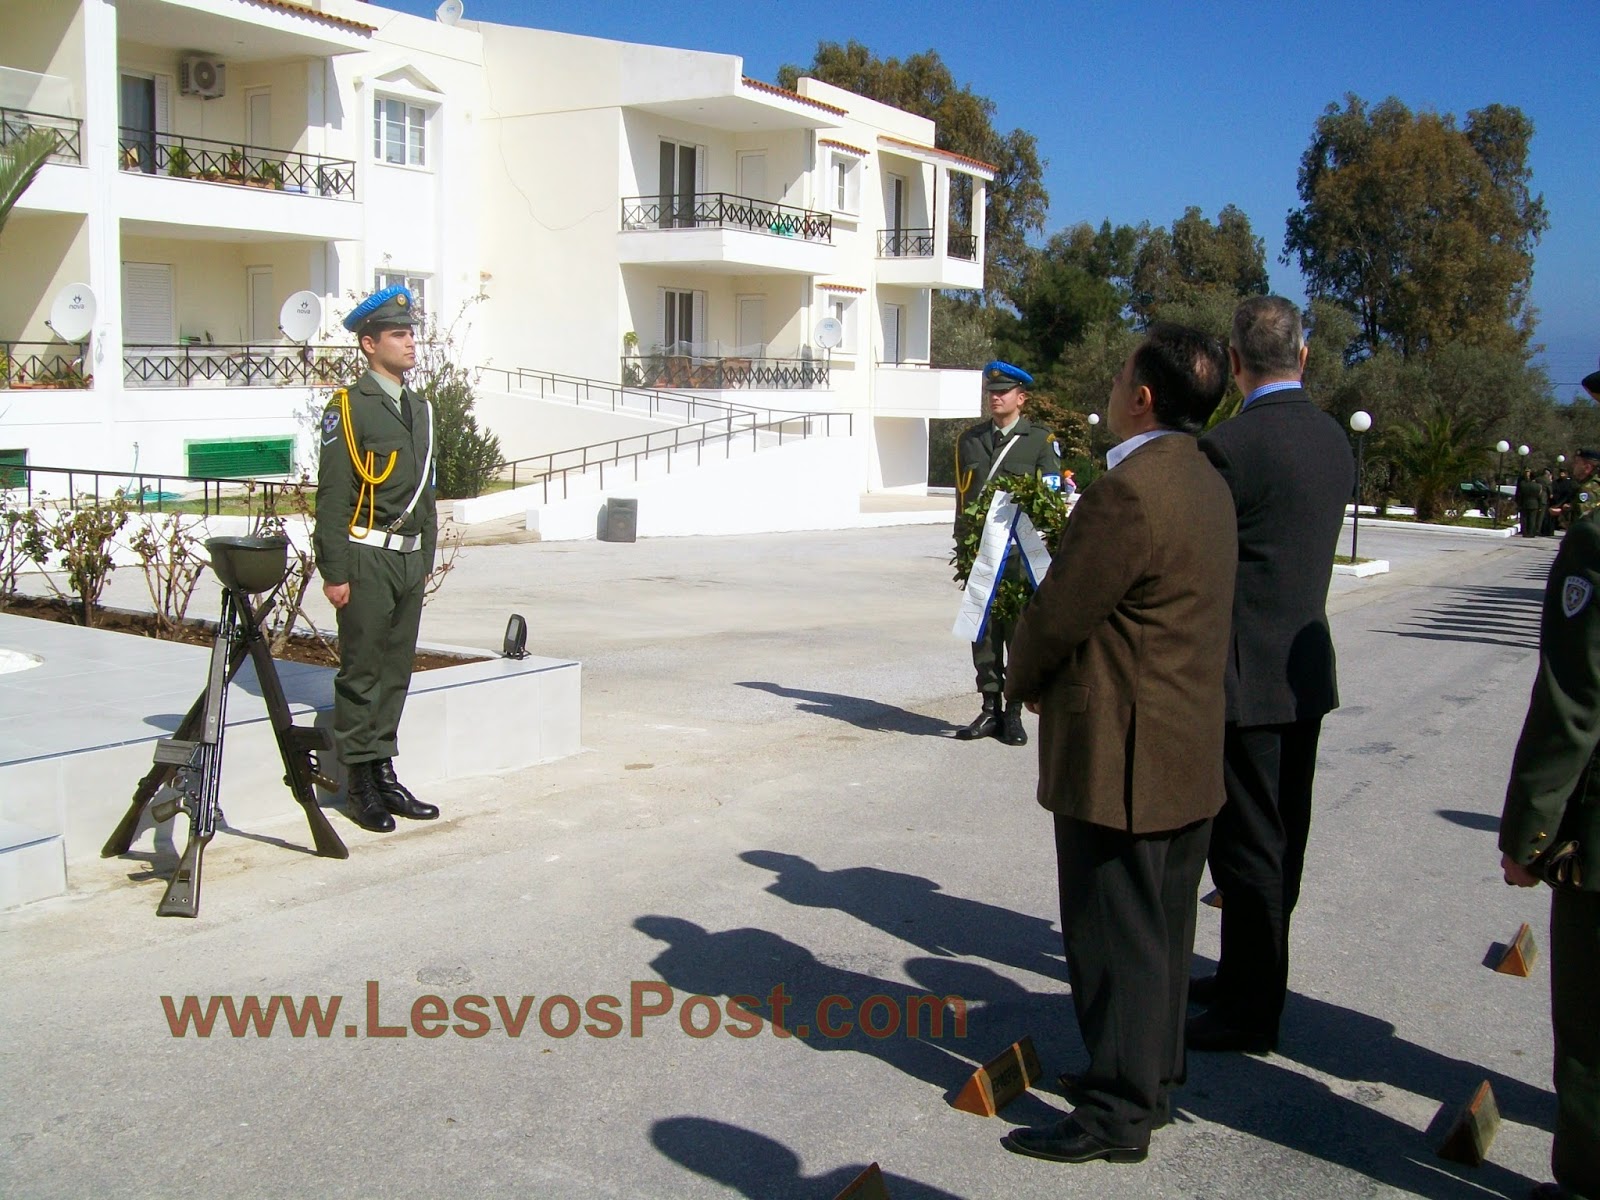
1144,108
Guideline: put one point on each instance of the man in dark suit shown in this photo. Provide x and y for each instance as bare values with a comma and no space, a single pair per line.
1289,467
1122,653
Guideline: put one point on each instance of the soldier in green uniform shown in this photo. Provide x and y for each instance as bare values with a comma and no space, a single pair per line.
376,528
1007,444
1585,487
1550,831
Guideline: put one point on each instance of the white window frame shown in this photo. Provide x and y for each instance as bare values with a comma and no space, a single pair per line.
847,311
417,285
415,119
844,182
697,317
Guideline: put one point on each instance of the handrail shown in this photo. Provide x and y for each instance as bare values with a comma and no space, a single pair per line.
44,367
183,157
905,243
658,401
17,122
963,246
709,435
719,373
211,487
244,364
720,209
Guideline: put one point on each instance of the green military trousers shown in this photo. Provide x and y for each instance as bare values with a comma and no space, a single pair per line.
377,644
1575,1003
989,656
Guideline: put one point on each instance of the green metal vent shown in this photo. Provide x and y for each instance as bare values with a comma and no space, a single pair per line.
241,458
12,458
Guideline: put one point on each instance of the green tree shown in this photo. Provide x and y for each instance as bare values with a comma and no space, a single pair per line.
1198,267
1434,458
922,84
1422,228
20,162
465,457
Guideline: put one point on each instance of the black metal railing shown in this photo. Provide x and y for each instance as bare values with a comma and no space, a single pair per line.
241,365
145,491
184,157
42,365
629,396
557,470
18,122
718,210
905,243
697,373
964,246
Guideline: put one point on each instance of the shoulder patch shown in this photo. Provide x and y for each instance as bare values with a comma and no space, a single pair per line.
330,420
1575,594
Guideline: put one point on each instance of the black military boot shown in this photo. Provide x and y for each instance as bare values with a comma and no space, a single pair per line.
364,799
987,723
1011,731
396,797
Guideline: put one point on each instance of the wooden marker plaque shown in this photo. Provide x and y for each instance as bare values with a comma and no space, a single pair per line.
868,1185
1520,954
1000,1080
1472,1132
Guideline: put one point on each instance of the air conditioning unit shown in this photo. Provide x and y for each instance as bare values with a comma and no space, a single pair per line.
201,77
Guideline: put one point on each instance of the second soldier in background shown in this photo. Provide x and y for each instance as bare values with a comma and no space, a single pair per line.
1006,444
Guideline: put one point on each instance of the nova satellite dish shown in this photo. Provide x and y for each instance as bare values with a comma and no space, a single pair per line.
72,312
828,333
301,316
449,12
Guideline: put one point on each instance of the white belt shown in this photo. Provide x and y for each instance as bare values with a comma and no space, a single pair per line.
399,542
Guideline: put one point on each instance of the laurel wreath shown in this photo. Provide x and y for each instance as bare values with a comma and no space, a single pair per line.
1046,508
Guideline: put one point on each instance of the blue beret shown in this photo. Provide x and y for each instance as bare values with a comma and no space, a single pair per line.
387,306
1002,377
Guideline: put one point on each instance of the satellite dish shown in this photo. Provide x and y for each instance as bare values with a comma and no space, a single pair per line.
300,316
449,12
72,312
828,333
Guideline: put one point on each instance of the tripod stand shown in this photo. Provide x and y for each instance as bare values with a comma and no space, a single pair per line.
187,774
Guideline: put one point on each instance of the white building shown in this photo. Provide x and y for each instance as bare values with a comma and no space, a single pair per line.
629,214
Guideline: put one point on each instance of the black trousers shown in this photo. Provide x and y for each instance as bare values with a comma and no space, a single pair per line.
1575,999
1127,921
1258,850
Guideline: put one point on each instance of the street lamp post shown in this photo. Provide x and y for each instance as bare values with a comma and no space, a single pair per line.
1360,422
1500,449
1094,421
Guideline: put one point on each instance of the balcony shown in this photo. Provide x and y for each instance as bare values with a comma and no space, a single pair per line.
16,123
715,231
907,258
202,366
918,390
42,365
695,372
249,166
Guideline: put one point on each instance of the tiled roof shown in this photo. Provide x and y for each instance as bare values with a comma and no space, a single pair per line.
936,152
842,146
841,287
305,10
788,95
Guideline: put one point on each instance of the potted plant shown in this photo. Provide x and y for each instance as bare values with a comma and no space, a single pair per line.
235,168
269,174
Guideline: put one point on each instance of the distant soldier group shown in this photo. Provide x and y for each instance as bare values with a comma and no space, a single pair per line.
1549,505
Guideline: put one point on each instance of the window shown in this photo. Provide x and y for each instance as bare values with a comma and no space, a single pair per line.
417,285
843,310
399,132
683,317
844,182
13,458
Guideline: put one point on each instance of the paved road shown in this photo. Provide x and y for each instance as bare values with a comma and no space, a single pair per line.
770,796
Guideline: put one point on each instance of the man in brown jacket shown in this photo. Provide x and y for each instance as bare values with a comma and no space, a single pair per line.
1122,652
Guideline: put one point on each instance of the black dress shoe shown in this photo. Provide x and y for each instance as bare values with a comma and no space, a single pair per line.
1011,731
364,799
1211,1031
987,723
396,797
1068,1142
1203,990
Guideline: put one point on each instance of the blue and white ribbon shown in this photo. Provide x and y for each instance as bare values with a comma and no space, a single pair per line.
1005,527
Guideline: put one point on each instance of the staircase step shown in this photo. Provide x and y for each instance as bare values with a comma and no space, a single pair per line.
33,865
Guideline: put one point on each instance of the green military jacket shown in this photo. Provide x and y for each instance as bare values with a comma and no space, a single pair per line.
1554,793
1034,452
377,428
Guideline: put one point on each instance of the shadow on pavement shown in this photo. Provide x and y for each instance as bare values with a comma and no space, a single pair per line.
751,963
859,711
915,910
1470,820
1492,615
761,1168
